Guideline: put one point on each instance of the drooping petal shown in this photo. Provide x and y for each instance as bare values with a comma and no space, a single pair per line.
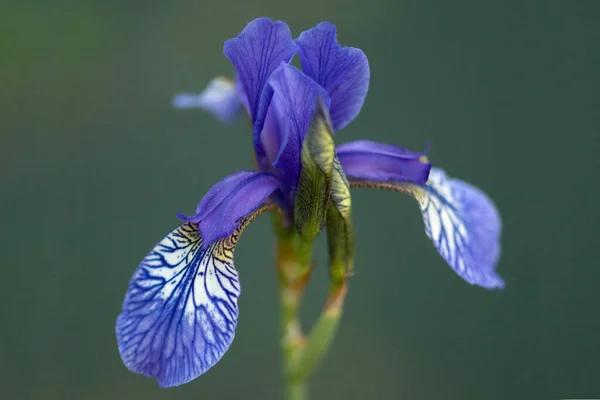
294,99
464,225
314,185
180,311
219,98
342,71
368,160
256,52
460,219
234,197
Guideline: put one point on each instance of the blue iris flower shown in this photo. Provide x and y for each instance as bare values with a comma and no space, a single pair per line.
180,310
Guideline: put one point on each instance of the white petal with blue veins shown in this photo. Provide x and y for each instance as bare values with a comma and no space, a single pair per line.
464,226
180,312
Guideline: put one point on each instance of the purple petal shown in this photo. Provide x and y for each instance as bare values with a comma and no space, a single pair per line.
180,311
382,162
255,53
268,139
219,98
230,200
464,225
342,71
294,100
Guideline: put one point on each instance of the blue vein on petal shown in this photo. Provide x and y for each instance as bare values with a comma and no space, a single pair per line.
442,242
475,244
151,339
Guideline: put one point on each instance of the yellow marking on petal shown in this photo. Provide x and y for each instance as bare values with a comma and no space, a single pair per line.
231,241
404,187
226,81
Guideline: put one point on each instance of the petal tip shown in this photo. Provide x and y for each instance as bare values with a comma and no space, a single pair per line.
343,71
255,53
184,101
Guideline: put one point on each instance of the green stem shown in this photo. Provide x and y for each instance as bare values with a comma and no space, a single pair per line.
296,390
293,270
301,356
321,335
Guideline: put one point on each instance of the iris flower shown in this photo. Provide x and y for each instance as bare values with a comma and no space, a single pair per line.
180,310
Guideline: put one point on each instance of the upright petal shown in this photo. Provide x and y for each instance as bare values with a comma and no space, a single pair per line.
180,311
342,71
236,196
255,53
220,98
267,135
382,162
294,99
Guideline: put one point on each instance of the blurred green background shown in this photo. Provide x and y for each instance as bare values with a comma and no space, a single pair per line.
95,164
